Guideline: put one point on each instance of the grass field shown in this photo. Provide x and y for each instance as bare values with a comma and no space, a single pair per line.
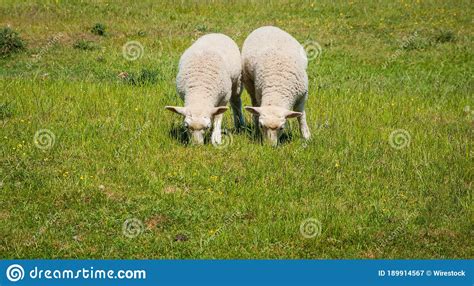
92,167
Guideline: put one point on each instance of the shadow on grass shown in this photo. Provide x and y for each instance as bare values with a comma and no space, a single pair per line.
179,133
286,137
254,134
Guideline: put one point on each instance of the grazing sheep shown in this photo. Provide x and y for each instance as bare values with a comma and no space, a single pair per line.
274,74
209,76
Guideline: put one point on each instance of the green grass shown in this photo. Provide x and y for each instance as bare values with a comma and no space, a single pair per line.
383,67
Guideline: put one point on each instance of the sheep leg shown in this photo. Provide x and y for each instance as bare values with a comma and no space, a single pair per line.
249,85
304,129
216,137
236,104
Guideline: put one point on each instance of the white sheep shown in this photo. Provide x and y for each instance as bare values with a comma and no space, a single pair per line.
274,74
209,76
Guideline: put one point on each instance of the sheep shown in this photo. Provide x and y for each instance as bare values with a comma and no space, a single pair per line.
209,76
274,74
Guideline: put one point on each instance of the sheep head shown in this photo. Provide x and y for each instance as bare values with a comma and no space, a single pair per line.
197,120
271,121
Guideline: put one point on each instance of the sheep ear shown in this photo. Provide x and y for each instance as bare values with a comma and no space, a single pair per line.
177,109
254,110
292,114
219,110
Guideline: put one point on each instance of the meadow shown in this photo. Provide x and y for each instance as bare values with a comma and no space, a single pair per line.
92,166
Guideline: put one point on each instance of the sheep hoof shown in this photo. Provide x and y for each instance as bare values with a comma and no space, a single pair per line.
306,135
216,139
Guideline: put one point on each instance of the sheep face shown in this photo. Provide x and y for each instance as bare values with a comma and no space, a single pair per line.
271,121
197,121
196,126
